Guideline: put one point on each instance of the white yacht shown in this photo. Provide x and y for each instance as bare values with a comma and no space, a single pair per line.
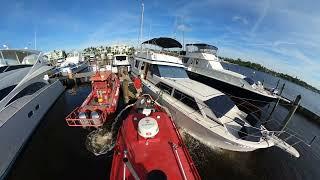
26,94
74,63
120,61
204,66
204,112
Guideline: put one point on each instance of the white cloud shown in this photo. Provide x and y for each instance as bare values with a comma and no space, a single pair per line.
261,17
183,27
240,19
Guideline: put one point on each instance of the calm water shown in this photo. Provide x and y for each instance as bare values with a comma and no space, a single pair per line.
56,151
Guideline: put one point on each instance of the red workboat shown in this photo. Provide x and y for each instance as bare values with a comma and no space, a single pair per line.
149,146
100,103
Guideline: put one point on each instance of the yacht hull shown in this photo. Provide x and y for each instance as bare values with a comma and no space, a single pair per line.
77,69
205,135
253,99
21,119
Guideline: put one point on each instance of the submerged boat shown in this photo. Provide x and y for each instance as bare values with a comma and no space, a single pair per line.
202,111
100,103
149,146
203,65
26,94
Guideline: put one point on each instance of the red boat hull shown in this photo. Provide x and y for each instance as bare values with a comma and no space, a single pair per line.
163,156
103,101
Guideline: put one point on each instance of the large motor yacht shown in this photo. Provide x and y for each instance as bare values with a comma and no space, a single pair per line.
26,94
204,66
202,111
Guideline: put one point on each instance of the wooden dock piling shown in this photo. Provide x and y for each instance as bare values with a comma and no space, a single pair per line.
291,112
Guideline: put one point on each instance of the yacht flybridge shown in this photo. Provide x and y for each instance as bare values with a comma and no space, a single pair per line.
120,61
204,112
26,93
204,66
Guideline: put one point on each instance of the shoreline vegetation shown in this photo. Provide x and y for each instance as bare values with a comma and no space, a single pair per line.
259,67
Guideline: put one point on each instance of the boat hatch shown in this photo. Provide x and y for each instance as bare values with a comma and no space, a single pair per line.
219,105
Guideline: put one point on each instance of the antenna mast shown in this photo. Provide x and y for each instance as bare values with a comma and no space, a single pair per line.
183,29
35,40
141,25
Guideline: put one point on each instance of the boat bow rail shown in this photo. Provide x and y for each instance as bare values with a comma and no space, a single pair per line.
73,119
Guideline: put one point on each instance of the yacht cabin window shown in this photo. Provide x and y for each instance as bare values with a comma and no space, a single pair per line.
249,80
185,60
136,64
29,90
10,68
121,58
4,92
202,48
219,105
170,71
154,70
187,100
142,66
164,87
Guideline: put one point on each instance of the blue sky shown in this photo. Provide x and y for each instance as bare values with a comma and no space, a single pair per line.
283,35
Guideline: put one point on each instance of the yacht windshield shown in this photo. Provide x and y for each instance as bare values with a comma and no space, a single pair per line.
249,80
202,48
121,58
220,105
171,71
15,57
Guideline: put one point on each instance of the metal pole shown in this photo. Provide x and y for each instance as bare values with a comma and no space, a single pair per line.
312,140
277,84
274,107
35,40
291,112
282,88
129,166
182,34
141,25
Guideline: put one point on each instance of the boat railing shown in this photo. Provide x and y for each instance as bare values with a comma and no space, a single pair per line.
175,150
170,53
128,164
73,120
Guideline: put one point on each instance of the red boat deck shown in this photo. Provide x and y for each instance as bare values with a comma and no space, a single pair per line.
165,152
103,100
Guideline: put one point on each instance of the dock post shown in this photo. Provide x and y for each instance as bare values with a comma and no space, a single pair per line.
291,112
277,84
282,88
274,107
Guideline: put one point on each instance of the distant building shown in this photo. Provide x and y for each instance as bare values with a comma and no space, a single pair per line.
56,55
120,49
